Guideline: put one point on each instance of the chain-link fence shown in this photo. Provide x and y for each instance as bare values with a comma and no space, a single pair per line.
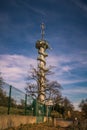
14,101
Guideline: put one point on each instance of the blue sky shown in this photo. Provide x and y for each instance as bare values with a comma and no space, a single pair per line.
66,32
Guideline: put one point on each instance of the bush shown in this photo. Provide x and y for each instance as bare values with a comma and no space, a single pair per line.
56,114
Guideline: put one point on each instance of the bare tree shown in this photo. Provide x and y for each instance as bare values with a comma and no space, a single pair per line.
1,81
67,104
52,89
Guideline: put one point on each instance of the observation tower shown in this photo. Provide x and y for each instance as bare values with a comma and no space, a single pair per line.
42,46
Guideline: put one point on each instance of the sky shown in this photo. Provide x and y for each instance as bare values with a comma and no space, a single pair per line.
66,32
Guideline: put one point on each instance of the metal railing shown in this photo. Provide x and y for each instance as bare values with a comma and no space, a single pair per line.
14,101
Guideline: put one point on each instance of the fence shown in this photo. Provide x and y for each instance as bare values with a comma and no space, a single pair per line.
14,101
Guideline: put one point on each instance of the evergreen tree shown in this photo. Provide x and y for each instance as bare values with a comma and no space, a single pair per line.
83,106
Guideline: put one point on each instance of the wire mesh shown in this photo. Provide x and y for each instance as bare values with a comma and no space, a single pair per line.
14,101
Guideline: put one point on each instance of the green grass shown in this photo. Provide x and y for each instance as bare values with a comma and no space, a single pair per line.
4,111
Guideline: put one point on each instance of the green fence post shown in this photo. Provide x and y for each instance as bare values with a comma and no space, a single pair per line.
25,104
9,99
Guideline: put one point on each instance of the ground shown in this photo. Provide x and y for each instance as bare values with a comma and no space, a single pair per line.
41,126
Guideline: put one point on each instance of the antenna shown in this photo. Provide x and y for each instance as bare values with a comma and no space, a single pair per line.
42,30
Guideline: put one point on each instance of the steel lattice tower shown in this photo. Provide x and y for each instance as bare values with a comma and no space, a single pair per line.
42,45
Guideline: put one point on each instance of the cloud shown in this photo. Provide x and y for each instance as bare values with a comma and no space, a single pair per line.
69,69
75,94
34,9
52,60
17,30
76,105
14,68
80,4
68,81
77,90
67,62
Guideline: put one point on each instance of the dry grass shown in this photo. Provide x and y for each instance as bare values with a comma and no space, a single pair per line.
36,127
